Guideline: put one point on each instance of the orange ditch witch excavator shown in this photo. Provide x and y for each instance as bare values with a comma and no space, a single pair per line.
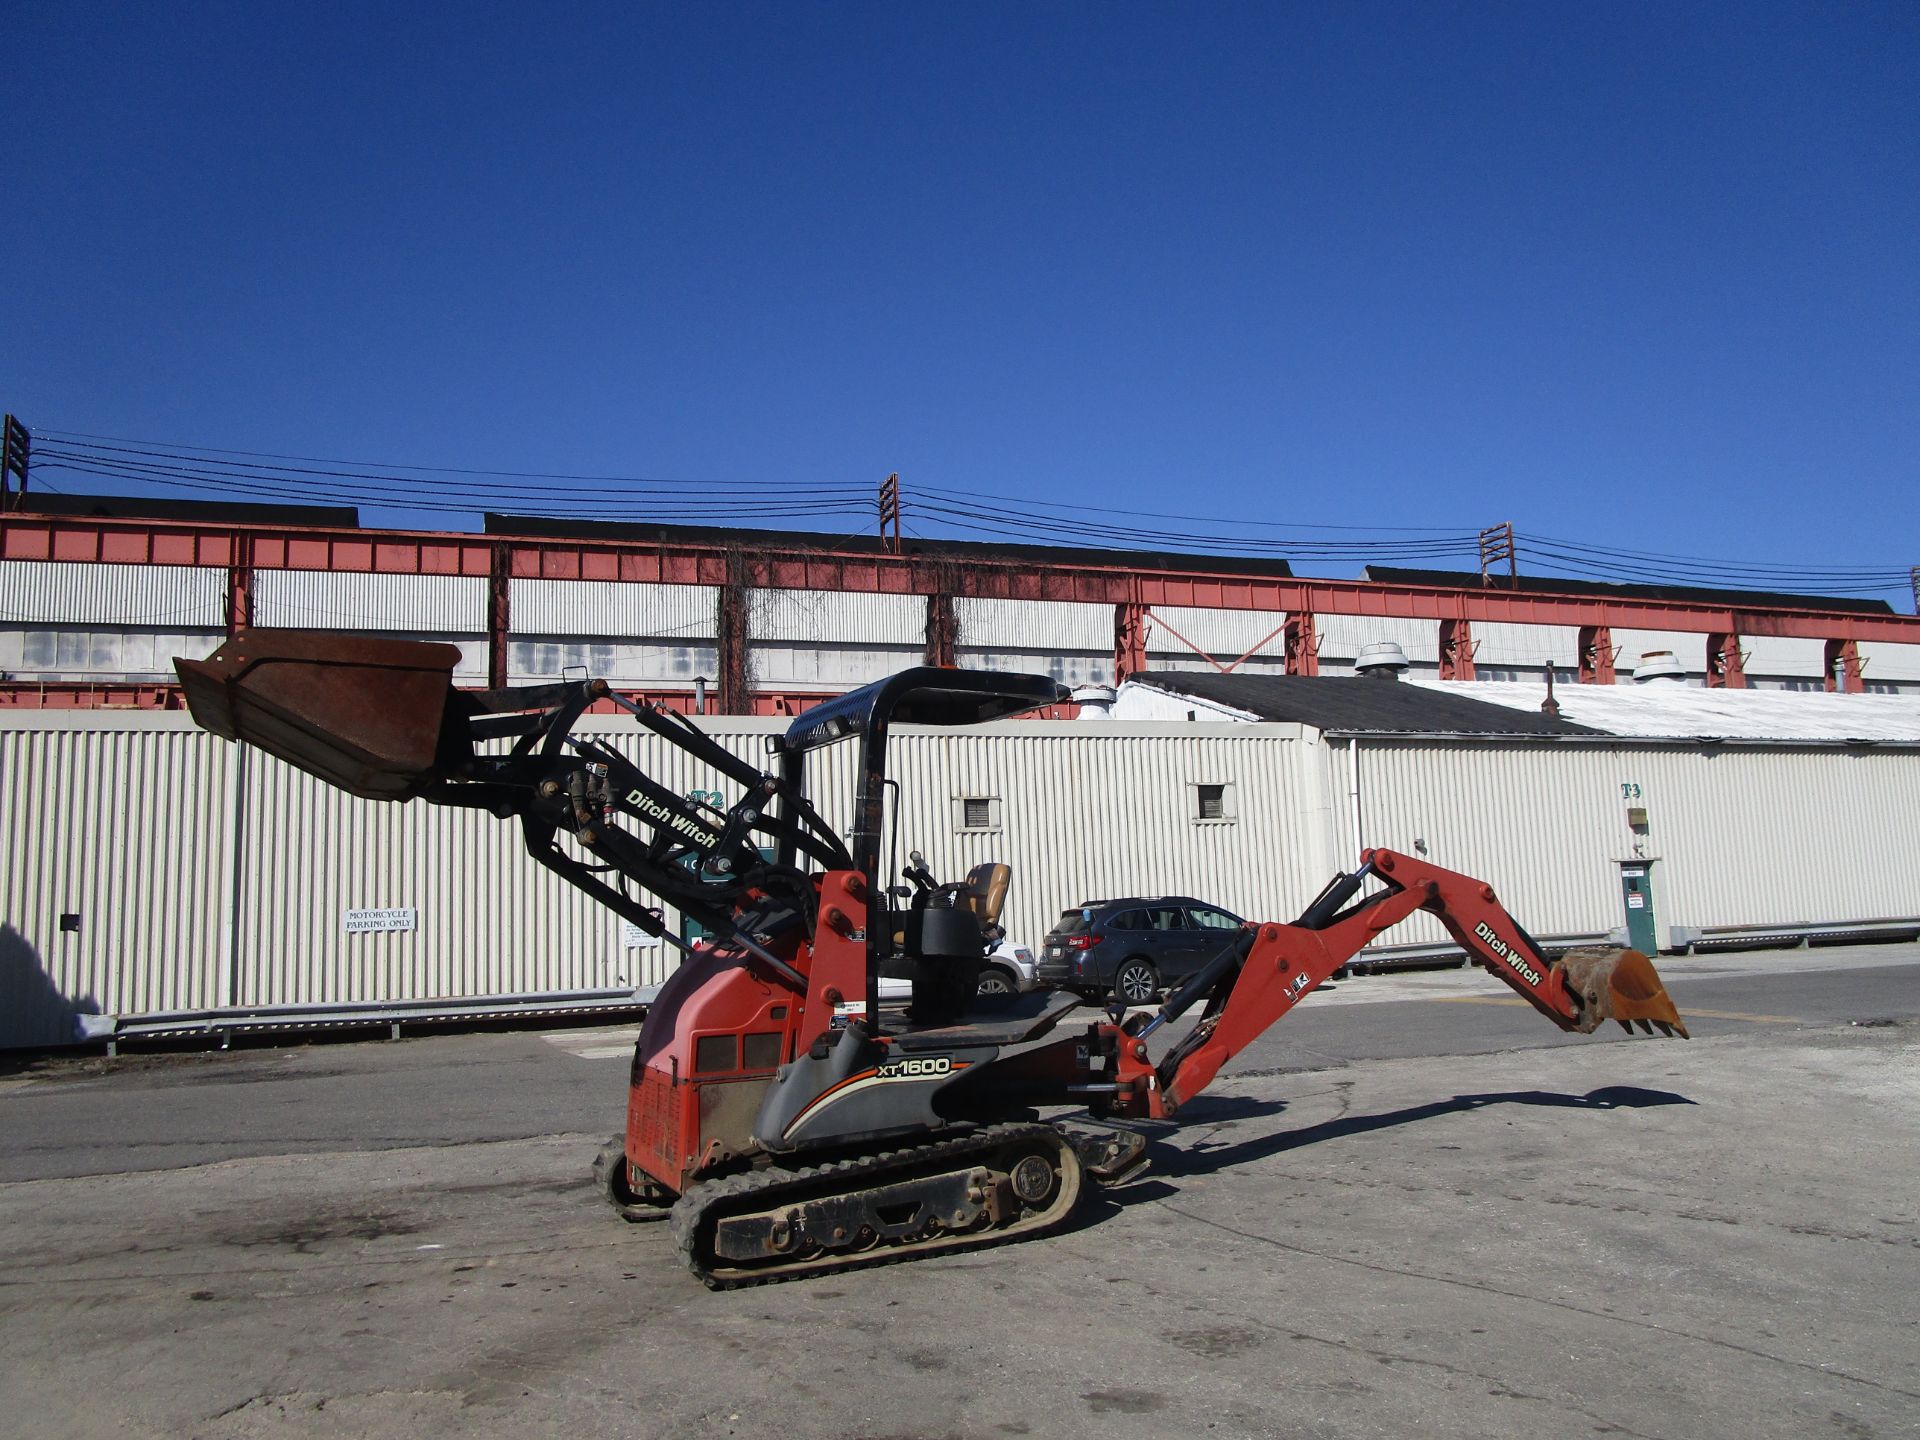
785,1120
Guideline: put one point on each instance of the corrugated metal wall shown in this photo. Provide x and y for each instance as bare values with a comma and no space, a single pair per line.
1342,637
189,901
54,592
1782,655
1096,811
1500,643
613,609
123,821
1884,660
1224,634
410,604
1689,648
1054,626
1739,836
207,876
861,619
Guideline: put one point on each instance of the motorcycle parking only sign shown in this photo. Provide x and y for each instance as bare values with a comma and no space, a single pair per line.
380,922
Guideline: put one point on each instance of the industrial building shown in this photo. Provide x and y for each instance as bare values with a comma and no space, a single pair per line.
154,875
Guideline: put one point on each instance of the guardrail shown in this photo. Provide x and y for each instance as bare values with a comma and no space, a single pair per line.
390,1015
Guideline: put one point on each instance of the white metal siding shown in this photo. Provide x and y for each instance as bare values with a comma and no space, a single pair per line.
1689,647
1065,625
411,604
839,616
190,899
125,823
1783,655
55,592
1739,836
1499,642
1885,660
1226,635
1342,637
1094,811
612,609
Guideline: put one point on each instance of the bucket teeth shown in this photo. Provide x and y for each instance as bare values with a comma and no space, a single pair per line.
1617,984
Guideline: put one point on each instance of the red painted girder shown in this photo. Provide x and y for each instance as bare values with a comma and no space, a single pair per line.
162,542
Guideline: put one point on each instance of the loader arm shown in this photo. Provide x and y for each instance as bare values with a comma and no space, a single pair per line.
1268,969
382,720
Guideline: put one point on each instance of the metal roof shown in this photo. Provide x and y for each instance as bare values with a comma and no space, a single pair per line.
959,552
1360,704
148,507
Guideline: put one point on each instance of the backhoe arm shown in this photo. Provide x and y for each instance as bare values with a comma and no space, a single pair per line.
1268,969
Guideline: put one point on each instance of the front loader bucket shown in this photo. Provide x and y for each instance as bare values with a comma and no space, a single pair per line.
1617,984
374,717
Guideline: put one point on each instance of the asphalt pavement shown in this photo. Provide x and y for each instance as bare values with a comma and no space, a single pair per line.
1415,1208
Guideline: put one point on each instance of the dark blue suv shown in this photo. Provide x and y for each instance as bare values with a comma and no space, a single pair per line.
1132,949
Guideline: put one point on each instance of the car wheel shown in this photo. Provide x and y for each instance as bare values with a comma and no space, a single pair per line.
1135,982
995,981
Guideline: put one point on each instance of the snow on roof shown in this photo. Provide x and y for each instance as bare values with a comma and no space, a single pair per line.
1667,710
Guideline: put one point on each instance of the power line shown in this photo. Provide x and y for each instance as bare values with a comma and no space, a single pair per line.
442,489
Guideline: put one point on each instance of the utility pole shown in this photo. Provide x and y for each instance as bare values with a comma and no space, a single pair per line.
1496,544
15,451
890,511
1914,575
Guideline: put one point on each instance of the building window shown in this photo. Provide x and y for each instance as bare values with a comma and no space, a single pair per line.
1213,804
976,812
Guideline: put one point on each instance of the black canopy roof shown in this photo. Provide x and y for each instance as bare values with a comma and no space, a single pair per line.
923,695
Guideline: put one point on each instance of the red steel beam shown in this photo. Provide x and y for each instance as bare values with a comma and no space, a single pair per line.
160,542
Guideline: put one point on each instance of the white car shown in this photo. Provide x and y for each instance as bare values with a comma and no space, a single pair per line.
1010,969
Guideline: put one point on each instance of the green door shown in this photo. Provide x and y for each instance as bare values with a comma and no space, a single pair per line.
1636,894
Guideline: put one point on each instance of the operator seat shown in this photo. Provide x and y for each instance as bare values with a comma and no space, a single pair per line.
985,896
945,980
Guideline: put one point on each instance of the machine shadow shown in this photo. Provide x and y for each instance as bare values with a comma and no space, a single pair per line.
38,1013
1175,1162
1172,1163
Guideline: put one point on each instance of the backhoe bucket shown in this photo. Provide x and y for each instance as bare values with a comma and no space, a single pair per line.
1617,984
376,718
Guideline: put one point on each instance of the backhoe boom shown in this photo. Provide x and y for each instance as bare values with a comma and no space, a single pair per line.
1269,969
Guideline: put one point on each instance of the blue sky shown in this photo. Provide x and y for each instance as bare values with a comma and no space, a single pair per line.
1630,275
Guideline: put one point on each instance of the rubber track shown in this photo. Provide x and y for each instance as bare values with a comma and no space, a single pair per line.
764,1186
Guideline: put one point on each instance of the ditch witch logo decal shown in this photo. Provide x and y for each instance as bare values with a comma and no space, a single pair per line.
680,824
1507,953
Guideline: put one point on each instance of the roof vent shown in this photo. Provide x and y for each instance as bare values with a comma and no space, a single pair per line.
1384,659
1658,665
1095,702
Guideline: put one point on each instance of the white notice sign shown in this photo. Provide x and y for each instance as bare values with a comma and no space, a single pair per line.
375,922
632,937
